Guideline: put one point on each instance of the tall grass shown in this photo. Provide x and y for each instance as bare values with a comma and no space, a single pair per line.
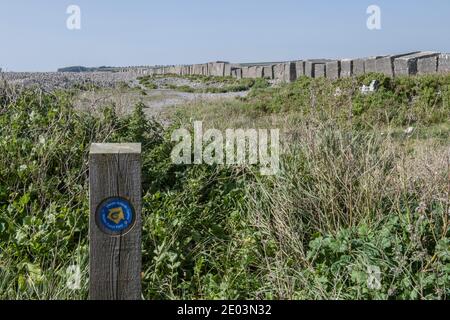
345,203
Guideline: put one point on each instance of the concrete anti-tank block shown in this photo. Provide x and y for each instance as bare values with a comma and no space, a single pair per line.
220,69
245,72
370,64
239,73
290,72
320,70
359,67
268,72
428,65
300,68
178,70
410,64
260,72
205,71
333,70
309,69
197,69
255,72
346,68
319,65
278,71
385,65
227,70
210,69
444,63
236,73
216,69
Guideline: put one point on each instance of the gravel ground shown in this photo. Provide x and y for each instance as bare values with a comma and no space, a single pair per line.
49,81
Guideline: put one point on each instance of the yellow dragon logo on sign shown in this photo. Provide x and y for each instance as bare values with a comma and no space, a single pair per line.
116,215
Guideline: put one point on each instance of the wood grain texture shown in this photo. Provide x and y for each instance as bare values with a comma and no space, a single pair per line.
115,261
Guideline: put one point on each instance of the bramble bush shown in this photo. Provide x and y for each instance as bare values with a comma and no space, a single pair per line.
403,101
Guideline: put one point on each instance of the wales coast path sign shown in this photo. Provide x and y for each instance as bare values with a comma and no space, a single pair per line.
115,202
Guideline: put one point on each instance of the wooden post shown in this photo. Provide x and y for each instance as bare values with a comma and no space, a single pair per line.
115,222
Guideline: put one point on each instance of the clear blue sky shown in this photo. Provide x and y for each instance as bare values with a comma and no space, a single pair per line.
145,32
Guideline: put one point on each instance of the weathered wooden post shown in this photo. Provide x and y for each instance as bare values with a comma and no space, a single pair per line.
115,222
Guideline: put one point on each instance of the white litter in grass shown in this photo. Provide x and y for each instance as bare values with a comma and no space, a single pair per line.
371,88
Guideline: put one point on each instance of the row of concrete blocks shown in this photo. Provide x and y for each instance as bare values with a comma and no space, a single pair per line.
218,69
282,71
394,65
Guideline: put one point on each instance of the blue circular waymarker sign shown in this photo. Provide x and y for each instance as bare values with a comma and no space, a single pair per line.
115,216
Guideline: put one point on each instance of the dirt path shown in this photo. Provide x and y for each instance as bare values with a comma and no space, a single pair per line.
156,101
165,97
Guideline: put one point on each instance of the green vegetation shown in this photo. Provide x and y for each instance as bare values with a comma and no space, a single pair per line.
355,192
207,84
403,101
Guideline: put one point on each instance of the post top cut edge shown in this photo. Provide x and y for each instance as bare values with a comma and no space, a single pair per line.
108,148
